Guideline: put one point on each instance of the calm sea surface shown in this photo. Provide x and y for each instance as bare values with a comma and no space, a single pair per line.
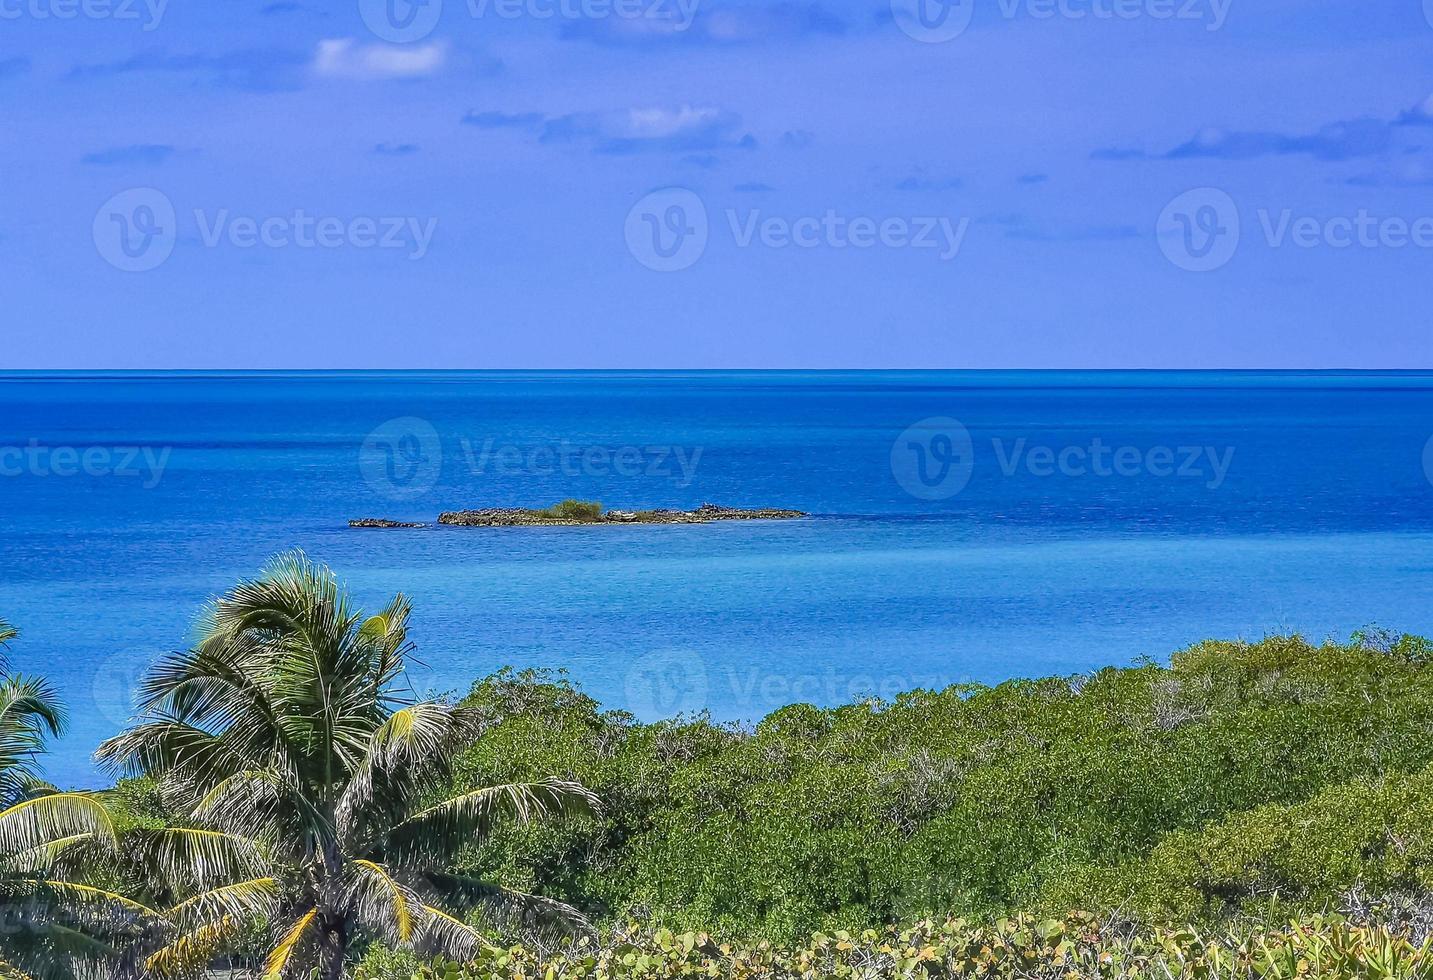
966,526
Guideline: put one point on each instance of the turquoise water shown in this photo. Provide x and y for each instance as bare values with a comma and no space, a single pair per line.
1187,505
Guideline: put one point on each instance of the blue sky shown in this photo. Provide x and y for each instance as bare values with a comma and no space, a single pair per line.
717,183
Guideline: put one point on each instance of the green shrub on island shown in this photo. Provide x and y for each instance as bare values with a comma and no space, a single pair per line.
573,510
1106,791
1022,948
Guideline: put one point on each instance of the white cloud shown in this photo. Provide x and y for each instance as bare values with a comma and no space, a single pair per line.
662,123
346,58
685,129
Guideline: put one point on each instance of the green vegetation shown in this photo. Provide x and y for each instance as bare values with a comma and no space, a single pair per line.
1135,789
1376,832
573,510
1075,947
305,789
288,812
55,924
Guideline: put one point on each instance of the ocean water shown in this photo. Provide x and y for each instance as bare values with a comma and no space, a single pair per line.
966,526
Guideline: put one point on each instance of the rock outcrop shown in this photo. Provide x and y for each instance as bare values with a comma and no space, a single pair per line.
526,517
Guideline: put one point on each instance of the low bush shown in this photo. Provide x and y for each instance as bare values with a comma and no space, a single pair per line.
1376,833
1018,949
574,510
1039,795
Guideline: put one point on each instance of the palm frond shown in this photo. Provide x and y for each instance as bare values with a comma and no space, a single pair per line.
257,898
445,934
43,820
217,683
509,907
254,804
285,952
407,756
382,903
198,858
165,746
8,634
30,714
9,971
189,953
436,833
43,857
75,944
89,894
33,703
387,632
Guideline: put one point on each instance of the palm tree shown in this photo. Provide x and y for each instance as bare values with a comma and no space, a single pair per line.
313,789
55,926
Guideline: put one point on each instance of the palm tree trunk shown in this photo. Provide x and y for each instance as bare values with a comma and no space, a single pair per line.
334,952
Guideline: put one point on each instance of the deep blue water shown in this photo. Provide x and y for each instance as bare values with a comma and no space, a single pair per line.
1308,507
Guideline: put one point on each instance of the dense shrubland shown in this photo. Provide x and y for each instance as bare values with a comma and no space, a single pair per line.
290,812
1241,778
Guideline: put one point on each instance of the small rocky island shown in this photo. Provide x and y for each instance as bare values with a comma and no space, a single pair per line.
576,513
